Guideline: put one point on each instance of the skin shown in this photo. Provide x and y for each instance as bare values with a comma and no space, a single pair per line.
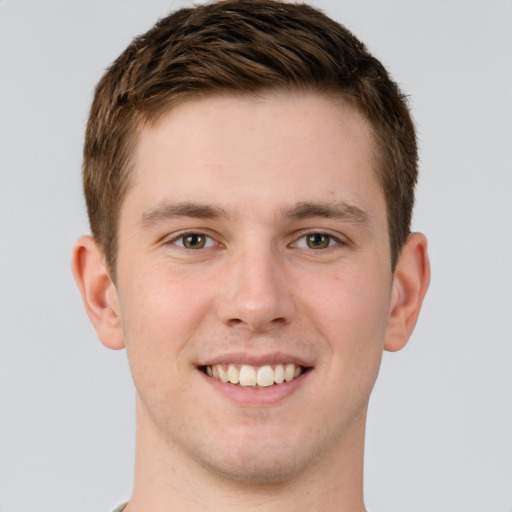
252,178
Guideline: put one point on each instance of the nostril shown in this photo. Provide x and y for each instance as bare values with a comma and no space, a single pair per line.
276,323
256,325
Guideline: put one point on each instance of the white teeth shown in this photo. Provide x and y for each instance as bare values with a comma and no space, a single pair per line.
233,374
247,375
223,374
289,372
279,374
265,376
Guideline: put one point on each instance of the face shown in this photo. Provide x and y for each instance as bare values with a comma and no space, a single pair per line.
254,282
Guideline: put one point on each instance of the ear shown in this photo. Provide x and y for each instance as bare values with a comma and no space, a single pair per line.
98,291
410,283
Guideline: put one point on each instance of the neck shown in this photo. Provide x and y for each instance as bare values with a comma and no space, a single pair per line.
166,480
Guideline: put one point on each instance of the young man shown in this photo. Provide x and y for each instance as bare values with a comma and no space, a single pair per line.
249,171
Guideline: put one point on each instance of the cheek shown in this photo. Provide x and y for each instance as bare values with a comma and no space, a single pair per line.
160,314
352,310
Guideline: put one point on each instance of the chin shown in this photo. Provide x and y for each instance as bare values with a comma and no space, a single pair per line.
265,470
261,461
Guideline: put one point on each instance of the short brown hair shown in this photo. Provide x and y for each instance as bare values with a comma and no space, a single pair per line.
241,47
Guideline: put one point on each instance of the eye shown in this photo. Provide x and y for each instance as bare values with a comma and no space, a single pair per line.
193,241
317,241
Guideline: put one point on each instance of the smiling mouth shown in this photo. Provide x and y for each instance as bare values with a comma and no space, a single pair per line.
254,376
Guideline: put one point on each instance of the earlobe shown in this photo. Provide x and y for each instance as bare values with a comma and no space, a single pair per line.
410,283
98,291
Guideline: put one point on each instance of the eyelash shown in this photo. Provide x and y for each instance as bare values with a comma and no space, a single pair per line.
209,242
332,241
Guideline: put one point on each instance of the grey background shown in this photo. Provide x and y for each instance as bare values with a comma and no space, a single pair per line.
440,423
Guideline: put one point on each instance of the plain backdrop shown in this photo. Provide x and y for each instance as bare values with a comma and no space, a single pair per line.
440,422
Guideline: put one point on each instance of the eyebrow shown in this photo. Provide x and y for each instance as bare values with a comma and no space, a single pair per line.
172,210
330,209
301,211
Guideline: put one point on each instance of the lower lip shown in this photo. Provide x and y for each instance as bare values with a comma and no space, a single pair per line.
257,397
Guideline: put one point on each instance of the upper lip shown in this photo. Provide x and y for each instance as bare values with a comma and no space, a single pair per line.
241,358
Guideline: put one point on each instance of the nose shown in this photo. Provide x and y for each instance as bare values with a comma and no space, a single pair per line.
256,293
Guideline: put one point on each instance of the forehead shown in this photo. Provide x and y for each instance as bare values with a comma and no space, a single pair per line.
277,149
